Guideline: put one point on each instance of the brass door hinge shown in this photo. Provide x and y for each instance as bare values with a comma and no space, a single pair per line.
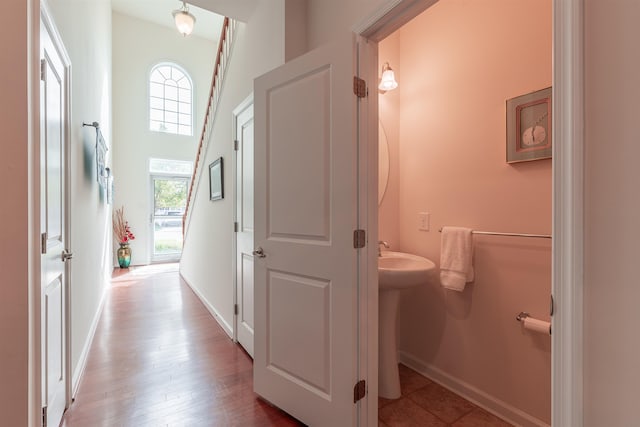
359,87
44,416
236,145
359,390
235,227
43,69
235,309
43,243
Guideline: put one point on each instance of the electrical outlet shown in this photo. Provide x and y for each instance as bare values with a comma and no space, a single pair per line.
423,221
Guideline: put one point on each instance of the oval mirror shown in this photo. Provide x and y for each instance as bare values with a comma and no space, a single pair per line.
383,162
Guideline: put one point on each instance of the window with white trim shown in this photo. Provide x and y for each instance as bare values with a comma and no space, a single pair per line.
170,100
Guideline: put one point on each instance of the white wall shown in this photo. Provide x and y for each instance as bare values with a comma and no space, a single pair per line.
14,217
328,17
207,255
612,291
86,34
295,27
138,46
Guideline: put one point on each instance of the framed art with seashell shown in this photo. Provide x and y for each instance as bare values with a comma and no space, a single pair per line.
529,126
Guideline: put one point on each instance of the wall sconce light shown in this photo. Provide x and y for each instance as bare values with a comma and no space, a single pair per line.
388,80
184,20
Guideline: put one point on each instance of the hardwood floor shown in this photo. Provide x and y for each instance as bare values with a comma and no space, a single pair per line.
160,359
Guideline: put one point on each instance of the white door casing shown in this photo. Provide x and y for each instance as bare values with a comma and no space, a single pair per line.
54,220
306,211
568,190
166,225
244,223
567,285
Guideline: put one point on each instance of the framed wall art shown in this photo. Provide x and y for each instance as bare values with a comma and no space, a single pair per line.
216,183
529,126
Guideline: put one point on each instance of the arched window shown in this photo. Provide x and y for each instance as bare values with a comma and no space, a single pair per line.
170,100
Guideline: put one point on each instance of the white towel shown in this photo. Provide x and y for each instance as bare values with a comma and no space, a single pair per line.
456,252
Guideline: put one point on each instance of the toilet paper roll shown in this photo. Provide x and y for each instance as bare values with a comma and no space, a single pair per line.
537,325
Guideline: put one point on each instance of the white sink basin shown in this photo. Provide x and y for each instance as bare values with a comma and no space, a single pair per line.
398,270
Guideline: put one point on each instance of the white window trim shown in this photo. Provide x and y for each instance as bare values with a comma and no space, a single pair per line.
193,91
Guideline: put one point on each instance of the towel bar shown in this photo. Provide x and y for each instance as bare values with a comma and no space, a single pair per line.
495,233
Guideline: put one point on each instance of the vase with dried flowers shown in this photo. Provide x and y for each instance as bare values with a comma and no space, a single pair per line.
123,233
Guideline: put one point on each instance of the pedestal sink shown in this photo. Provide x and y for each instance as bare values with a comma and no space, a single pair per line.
396,271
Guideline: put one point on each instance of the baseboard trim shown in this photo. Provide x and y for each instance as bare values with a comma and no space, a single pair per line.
78,372
489,403
216,315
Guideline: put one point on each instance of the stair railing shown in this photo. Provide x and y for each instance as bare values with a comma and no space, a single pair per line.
222,59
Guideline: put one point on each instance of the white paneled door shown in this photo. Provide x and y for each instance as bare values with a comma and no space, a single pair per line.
53,205
306,211
244,224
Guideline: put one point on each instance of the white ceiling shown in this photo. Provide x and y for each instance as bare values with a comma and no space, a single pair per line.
240,10
208,24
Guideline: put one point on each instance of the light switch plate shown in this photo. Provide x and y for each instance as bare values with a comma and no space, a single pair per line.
423,221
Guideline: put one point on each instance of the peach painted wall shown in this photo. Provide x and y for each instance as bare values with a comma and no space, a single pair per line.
389,115
459,61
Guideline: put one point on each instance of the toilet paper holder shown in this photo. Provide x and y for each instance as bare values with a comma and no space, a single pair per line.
541,327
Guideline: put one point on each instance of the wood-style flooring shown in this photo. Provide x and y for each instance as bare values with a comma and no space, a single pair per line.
160,359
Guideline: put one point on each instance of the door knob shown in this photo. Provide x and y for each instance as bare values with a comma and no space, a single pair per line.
259,252
66,255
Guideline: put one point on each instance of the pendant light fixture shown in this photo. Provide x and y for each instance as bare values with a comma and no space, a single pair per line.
388,79
184,20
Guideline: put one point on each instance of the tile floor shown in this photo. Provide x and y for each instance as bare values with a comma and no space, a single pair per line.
425,403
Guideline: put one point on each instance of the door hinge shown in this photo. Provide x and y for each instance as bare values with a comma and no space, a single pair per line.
236,145
359,87
43,69
359,390
235,309
44,416
359,239
235,227
43,243
551,306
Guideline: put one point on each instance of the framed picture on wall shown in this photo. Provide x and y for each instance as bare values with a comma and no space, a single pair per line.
529,126
216,184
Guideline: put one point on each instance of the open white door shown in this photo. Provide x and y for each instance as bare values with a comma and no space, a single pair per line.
306,212
243,118
54,221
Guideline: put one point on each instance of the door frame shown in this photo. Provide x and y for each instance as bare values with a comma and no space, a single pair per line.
153,259
234,191
568,191
39,13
